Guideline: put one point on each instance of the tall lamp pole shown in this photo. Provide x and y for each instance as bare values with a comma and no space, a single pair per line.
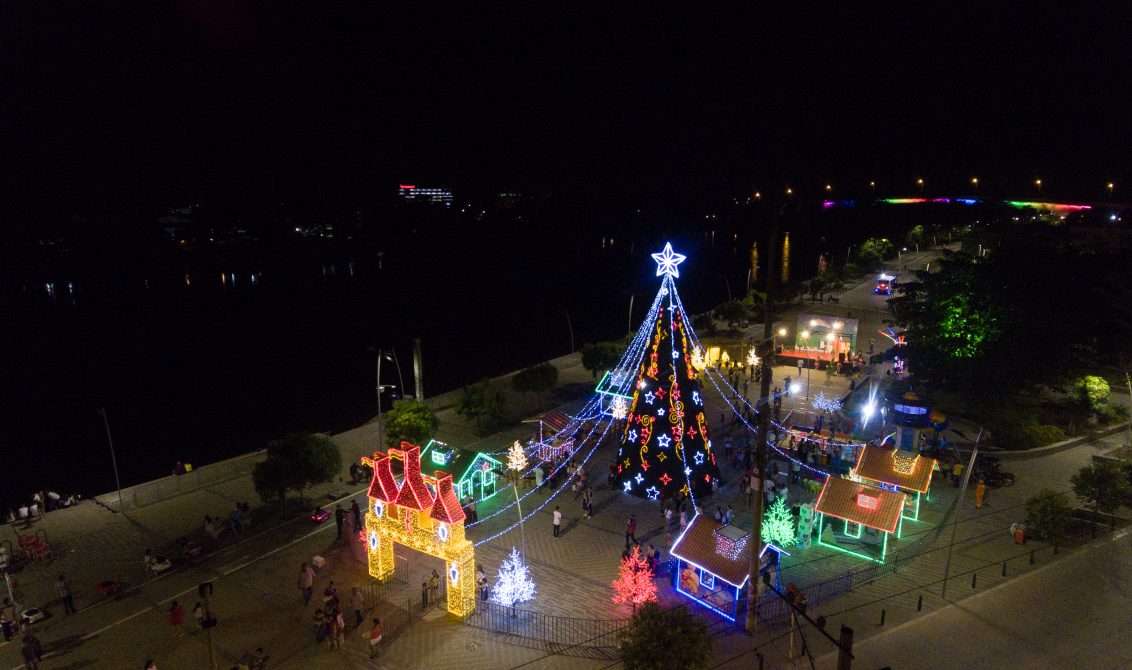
762,434
113,457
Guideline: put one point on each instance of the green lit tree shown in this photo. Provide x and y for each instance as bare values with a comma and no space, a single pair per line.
1091,392
778,525
410,419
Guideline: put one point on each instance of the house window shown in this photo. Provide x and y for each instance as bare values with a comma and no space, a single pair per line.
853,529
488,483
707,580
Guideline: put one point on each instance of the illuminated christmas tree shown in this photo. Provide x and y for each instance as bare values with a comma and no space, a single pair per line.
634,584
778,525
514,584
664,445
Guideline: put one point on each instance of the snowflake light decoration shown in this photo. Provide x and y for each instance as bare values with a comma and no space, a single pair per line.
752,357
823,403
698,360
619,409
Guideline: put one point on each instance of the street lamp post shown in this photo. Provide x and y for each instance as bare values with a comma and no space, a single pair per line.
380,389
1038,185
920,184
958,504
113,458
975,183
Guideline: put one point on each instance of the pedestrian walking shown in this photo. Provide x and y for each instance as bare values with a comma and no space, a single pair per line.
630,530
956,473
980,494
683,518
718,516
358,602
306,582
481,582
667,517
434,588
63,588
356,510
339,519
177,619
330,595
557,520
337,629
198,615
32,652
375,634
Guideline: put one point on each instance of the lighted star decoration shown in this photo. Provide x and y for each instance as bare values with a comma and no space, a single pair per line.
619,409
675,354
663,441
653,492
628,485
665,479
649,398
639,478
632,435
667,260
660,411
696,398
699,458
687,472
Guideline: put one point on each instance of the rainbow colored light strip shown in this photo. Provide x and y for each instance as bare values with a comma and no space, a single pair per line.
1058,207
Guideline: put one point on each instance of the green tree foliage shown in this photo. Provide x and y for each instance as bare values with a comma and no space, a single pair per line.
778,524
598,358
536,379
872,253
659,639
1047,516
1008,319
1104,485
1091,392
915,236
482,403
732,312
410,419
295,462
704,324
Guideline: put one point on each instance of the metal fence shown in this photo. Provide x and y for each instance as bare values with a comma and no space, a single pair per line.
565,635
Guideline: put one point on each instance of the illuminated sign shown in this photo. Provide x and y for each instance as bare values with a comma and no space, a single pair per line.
910,409
868,501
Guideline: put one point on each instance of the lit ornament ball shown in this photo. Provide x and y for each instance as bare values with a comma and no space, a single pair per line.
379,508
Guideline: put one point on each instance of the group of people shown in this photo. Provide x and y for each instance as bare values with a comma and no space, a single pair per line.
41,503
340,516
329,621
238,520
430,591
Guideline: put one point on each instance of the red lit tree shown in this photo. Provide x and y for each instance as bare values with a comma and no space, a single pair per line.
634,584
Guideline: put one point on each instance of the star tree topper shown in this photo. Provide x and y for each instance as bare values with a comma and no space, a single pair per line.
667,260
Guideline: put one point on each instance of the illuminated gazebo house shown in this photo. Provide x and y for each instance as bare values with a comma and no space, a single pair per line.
422,513
474,473
857,518
906,471
711,565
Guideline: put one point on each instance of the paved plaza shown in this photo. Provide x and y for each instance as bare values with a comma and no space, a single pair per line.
258,604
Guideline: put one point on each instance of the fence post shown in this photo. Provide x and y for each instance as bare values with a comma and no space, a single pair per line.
974,576
882,614
920,603
1004,568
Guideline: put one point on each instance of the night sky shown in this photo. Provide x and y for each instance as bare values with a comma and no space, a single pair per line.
113,105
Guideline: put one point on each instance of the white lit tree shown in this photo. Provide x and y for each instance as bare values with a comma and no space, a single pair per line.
514,584
516,463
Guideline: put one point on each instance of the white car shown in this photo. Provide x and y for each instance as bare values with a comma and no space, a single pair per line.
161,565
32,615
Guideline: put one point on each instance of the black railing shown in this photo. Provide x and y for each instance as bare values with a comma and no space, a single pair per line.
567,635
